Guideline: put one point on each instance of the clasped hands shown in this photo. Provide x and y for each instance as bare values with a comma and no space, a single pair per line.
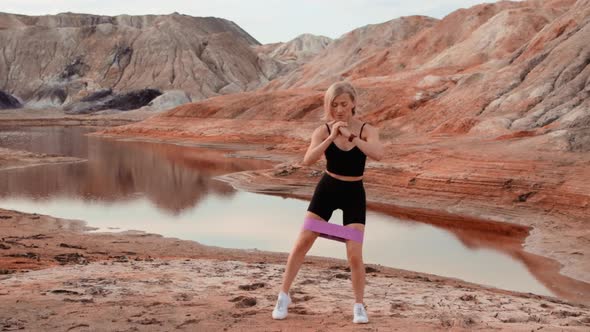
340,128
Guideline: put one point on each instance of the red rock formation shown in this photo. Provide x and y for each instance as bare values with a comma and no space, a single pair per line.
345,53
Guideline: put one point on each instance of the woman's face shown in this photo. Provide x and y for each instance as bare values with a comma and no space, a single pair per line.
341,107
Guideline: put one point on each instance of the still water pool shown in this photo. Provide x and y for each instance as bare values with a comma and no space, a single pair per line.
171,190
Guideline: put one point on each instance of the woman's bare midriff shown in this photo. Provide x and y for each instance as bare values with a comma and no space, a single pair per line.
343,177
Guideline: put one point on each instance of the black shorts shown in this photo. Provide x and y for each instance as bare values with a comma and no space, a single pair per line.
331,194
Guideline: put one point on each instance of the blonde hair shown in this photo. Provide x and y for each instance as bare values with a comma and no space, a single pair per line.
334,91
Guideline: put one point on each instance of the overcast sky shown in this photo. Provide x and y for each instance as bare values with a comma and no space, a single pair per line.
268,21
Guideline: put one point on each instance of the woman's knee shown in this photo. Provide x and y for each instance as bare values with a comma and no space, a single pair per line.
355,260
305,241
355,256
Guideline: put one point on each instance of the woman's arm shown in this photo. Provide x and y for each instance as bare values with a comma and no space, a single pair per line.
372,147
319,144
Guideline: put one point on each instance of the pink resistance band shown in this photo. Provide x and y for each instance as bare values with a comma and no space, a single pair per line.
332,231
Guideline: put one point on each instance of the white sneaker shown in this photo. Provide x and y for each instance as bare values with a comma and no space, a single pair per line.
280,310
360,314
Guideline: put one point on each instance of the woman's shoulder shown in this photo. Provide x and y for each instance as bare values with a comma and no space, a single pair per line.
366,124
322,130
367,128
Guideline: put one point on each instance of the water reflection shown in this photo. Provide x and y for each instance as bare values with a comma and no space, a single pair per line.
174,178
67,141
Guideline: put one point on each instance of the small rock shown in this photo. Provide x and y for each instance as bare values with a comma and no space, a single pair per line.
565,313
65,245
120,259
525,197
315,173
253,286
369,269
83,300
30,255
467,297
284,170
74,258
183,297
148,321
245,302
64,291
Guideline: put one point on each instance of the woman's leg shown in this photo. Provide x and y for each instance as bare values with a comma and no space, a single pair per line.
302,245
354,252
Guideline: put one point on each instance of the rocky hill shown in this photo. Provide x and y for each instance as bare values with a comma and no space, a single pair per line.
493,70
55,60
300,50
294,53
350,50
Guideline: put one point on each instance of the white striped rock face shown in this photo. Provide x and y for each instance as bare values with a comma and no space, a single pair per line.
57,59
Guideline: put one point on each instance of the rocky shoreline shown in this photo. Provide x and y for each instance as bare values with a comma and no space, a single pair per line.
56,276
424,179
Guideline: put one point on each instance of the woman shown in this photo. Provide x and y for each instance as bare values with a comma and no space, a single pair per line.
346,142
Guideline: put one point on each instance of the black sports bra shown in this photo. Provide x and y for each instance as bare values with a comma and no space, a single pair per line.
345,162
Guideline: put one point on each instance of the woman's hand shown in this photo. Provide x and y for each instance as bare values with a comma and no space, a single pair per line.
337,129
344,131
